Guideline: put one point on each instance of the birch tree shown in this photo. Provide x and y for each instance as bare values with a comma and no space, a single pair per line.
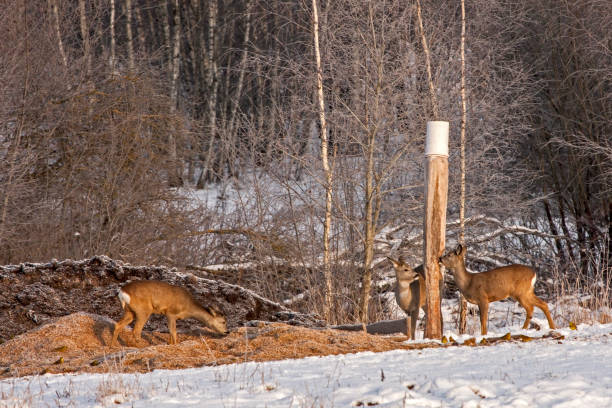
326,167
212,85
462,301
85,36
432,89
113,40
128,30
58,33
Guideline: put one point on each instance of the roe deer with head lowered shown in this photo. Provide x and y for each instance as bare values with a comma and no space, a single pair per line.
515,281
409,293
140,299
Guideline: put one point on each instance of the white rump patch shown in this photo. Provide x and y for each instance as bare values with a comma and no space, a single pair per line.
124,298
532,281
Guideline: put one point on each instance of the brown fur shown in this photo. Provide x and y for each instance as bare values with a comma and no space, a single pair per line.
147,297
515,281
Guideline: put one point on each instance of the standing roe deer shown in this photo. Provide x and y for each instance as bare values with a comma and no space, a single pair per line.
409,293
515,281
142,298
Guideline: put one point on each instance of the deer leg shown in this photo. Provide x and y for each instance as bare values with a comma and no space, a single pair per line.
484,315
172,329
127,318
408,319
544,307
528,306
414,315
141,319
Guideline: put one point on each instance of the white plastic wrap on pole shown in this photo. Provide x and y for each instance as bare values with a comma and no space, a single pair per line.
436,142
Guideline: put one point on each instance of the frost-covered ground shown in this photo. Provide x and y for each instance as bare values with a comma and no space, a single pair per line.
574,372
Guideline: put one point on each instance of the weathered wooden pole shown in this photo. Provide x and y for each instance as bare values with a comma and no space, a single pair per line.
436,190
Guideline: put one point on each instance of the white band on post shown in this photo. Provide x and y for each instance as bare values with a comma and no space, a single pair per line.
436,142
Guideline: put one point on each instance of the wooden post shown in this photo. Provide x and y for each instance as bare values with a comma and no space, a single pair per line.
436,189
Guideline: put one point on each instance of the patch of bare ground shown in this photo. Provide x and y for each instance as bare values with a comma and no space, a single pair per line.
79,343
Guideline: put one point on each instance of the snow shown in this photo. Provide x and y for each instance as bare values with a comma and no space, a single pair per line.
574,372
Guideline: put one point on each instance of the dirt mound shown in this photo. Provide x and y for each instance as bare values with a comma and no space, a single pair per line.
79,343
33,294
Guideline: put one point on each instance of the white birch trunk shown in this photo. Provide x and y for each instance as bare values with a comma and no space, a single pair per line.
213,84
462,301
85,36
432,89
326,167
60,42
130,37
113,42
175,178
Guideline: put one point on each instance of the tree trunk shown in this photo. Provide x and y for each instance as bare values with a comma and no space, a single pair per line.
462,301
130,38
369,230
60,43
166,24
141,30
212,85
113,40
432,90
85,37
175,178
236,99
326,168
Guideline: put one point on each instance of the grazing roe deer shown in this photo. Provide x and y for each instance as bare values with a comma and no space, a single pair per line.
140,299
409,293
515,281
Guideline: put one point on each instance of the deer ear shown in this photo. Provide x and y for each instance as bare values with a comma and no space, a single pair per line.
394,262
401,260
463,250
459,249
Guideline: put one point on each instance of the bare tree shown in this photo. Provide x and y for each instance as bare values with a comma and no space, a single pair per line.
212,84
58,33
113,40
128,30
462,301
326,167
432,89
85,36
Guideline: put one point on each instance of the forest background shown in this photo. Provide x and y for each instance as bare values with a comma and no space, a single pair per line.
187,133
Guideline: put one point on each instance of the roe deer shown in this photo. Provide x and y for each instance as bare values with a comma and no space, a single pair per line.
409,293
515,281
142,298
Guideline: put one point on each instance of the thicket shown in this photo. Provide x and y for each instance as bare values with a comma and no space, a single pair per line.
118,117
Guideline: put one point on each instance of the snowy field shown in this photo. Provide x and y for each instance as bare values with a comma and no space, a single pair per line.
574,372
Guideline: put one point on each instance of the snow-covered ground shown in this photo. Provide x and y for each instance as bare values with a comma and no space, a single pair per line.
574,372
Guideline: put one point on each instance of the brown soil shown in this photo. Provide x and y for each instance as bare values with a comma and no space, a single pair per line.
79,343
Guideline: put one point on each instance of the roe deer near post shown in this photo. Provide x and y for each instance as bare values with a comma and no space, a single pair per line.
409,293
515,281
142,298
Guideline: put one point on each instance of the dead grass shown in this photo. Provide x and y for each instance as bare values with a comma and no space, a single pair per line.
79,343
